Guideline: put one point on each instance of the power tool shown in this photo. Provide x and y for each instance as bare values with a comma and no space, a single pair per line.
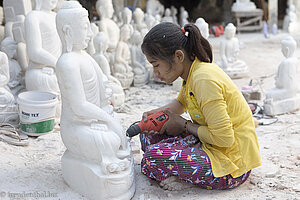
154,122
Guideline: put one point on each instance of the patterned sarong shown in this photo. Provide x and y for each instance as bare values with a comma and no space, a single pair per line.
167,156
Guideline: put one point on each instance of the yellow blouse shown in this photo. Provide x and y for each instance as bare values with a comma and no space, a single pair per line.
227,130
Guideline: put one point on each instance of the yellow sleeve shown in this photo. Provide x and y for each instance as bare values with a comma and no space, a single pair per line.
180,98
219,129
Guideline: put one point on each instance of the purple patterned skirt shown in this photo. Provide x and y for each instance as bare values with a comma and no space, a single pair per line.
167,156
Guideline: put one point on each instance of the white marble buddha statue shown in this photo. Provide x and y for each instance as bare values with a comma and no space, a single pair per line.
43,47
243,6
127,17
286,76
138,60
184,19
105,11
283,98
122,69
9,46
139,23
174,14
101,45
97,162
2,32
91,48
294,22
154,7
150,21
203,27
167,17
229,50
8,107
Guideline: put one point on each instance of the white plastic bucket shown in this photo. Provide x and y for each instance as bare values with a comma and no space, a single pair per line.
37,112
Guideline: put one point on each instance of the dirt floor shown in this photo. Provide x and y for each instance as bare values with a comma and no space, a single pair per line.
36,169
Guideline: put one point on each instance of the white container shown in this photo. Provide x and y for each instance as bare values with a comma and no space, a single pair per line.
37,112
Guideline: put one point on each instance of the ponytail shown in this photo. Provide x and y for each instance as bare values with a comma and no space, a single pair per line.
197,45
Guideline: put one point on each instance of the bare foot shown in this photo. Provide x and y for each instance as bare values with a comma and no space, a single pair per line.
174,183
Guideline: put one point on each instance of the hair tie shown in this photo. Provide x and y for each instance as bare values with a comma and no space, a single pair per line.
182,28
185,32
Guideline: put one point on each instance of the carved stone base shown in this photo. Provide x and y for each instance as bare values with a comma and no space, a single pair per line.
238,72
281,107
140,80
125,80
87,178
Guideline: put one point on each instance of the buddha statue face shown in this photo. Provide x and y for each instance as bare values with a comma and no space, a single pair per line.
74,27
105,8
230,31
168,12
288,46
9,46
126,15
138,16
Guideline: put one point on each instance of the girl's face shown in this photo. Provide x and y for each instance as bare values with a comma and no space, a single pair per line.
164,71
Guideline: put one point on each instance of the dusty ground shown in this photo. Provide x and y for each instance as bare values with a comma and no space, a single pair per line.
36,169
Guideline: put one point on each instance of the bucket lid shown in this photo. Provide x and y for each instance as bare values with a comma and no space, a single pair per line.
37,97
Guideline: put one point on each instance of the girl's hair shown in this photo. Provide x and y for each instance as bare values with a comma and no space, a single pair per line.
165,38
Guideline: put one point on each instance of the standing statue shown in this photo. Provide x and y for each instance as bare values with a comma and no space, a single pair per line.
229,50
122,69
101,45
283,98
97,162
105,11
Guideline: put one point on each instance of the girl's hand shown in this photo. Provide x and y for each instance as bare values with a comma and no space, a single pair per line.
150,132
175,124
146,114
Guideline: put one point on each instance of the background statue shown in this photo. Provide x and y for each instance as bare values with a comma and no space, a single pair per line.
9,46
229,51
122,69
101,45
43,47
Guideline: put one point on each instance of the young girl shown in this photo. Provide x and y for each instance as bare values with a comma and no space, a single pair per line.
216,149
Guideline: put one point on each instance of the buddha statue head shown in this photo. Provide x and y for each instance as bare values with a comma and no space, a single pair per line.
138,16
126,15
45,4
105,9
101,42
203,27
230,30
73,26
9,46
288,46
